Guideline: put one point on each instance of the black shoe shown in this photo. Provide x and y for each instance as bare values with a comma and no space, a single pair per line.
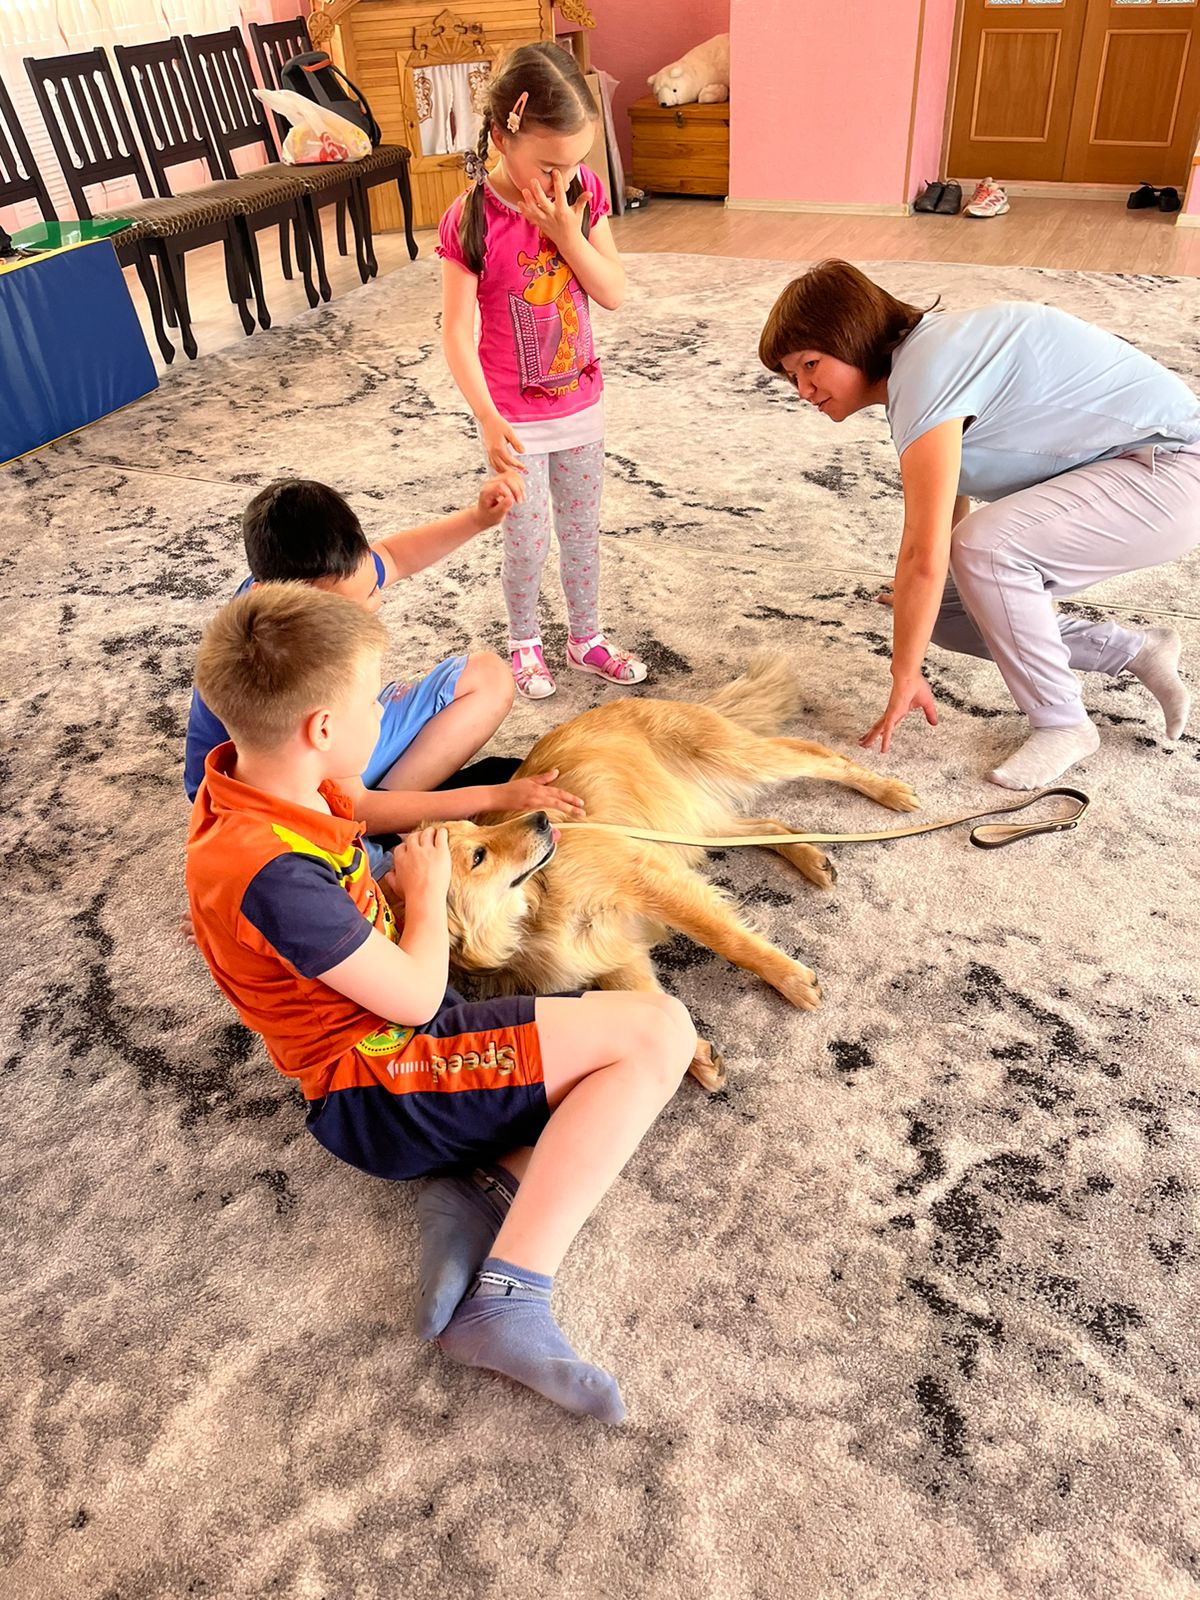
929,196
1168,200
950,201
1142,199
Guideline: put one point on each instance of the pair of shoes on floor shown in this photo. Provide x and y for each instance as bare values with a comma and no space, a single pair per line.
1148,198
943,198
989,200
594,655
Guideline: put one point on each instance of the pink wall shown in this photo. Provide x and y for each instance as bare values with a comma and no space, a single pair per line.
1191,204
933,94
634,38
822,99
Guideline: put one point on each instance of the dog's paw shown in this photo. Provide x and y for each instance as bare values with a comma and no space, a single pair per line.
801,988
897,796
707,1067
823,873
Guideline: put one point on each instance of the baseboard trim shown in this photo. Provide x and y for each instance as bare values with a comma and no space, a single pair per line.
1187,219
1059,191
834,208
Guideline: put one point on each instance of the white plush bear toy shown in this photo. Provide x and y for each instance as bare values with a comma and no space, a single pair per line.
702,74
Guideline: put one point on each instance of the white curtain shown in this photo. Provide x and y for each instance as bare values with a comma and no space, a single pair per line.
61,27
449,100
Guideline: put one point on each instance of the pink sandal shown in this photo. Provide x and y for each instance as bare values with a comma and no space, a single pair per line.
597,656
529,669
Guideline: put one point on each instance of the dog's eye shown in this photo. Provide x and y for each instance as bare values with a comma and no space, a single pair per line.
479,857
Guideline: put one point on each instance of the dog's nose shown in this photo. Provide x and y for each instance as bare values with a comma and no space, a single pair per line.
540,822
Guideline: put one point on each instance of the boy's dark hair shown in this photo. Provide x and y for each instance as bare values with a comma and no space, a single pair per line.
296,530
559,102
836,309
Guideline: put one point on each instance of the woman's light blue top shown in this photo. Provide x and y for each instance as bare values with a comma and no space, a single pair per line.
1040,391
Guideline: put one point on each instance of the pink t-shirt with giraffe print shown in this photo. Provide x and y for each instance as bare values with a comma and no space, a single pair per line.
535,339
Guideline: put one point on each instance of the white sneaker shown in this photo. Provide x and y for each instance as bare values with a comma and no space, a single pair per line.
989,200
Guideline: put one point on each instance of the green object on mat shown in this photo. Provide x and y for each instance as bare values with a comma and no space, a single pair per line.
58,235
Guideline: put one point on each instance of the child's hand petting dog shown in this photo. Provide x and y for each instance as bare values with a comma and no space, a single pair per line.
420,868
537,793
497,498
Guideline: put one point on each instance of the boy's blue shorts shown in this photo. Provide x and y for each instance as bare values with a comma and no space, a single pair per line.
464,1088
407,707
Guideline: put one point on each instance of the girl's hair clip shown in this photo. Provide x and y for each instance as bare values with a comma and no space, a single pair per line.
476,166
517,112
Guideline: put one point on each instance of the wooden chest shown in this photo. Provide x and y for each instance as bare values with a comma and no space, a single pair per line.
680,149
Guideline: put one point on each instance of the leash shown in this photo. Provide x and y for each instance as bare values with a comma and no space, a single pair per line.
985,835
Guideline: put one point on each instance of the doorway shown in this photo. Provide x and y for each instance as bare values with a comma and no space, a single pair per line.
1077,91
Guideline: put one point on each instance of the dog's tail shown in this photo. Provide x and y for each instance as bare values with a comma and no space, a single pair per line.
764,698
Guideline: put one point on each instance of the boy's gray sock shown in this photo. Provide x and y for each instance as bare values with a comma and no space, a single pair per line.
505,1324
458,1218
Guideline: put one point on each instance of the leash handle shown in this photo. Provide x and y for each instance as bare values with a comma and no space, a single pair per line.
995,835
985,836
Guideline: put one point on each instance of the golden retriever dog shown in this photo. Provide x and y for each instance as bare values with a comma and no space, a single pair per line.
540,912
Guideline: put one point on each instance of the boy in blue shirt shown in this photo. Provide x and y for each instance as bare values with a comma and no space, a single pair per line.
300,530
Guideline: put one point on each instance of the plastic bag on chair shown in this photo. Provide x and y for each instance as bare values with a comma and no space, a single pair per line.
316,134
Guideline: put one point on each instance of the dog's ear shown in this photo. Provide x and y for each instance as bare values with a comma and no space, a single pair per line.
454,925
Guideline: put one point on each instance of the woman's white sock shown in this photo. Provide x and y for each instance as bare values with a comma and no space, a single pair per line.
1157,666
1046,755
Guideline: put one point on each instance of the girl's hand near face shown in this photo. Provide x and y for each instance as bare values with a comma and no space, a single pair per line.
559,221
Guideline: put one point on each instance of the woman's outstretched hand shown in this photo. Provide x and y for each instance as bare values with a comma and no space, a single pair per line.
908,694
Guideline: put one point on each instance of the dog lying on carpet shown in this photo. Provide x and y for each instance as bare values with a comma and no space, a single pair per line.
540,913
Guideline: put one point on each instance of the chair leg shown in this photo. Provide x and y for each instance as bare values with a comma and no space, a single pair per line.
170,270
368,241
168,303
404,184
250,250
312,215
340,220
145,271
237,278
358,201
285,251
304,255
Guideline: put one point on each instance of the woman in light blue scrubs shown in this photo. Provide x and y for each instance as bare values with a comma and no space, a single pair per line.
1085,451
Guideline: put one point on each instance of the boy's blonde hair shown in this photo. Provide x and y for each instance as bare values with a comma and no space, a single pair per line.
277,653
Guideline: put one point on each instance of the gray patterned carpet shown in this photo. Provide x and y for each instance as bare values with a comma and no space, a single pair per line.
909,1311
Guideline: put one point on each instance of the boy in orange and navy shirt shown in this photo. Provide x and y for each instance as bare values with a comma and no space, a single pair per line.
524,1110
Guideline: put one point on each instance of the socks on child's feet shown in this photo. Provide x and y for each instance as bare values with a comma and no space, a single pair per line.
1046,755
458,1218
1157,666
506,1325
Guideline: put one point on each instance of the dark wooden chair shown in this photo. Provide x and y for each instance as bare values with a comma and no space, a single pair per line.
227,70
275,43
237,120
173,130
93,141
20,179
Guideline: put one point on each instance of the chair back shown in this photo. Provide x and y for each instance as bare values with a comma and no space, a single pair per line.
87,123
20,179
221,69
273,44
166,108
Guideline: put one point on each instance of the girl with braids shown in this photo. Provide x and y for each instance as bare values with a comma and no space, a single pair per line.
528,244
